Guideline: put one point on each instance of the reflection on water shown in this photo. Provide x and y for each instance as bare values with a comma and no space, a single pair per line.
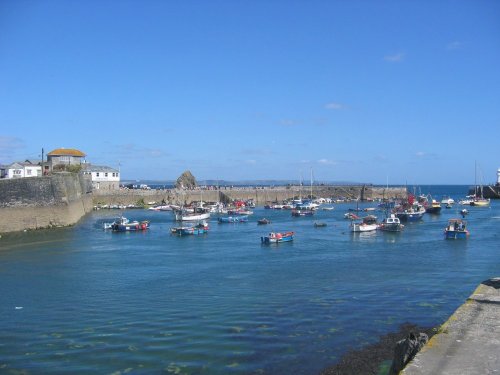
86,300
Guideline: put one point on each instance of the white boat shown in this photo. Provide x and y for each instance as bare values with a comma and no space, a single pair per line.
447,200
368,224
391,224
198,215
165,207
119,220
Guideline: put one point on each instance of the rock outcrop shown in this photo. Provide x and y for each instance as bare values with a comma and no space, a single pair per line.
406,349
186,181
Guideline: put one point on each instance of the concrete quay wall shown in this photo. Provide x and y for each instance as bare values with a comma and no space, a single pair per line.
468,342
43,202
259,195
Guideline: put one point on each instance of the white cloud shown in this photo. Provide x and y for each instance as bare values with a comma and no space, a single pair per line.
420,154
335,106
453,45
398,57
288,122
251,161
327,162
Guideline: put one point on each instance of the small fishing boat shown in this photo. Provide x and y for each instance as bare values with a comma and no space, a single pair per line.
434,207
165,207
276,237
240,211
464,212
319,224
480,202
302,212
447,200
118,220
368,224
410,210
351,216
129,226
263,221
391,224
233,219
456,228
328,208
197,215
200,228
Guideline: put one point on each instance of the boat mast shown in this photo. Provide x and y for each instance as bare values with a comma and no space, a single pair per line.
311,184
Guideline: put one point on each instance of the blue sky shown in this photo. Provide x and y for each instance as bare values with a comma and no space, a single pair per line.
371,91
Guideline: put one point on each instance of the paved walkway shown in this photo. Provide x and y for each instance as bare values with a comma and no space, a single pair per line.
469,342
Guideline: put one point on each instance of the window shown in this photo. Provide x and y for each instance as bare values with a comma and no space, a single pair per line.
28,172
106,174
97,174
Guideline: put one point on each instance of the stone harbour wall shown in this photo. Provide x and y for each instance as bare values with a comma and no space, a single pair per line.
260,195
43,202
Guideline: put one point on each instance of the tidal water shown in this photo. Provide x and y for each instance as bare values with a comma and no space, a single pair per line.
84,300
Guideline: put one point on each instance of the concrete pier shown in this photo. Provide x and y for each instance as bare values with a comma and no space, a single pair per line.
469,342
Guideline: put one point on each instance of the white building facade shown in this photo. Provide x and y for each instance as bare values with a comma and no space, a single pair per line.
103,178
22,170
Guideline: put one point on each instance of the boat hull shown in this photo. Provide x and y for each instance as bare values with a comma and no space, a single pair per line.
130,227
277,238
358,228
195,217
410,216
233,219
391,227
455,234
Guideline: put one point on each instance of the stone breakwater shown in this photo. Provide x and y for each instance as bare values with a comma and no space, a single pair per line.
260,195
43,202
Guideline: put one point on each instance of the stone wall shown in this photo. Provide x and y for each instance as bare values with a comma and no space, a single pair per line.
42,202
259,195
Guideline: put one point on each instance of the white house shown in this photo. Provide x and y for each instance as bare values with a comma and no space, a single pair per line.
103,178
23,169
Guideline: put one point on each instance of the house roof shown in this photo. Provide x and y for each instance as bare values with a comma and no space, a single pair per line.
66,152
21,164
99,168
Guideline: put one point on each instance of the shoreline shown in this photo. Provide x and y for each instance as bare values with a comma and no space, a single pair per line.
375,358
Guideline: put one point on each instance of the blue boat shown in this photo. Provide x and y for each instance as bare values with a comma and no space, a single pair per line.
411,213
123,225
456,228
200,228
233,219
277,237
302,212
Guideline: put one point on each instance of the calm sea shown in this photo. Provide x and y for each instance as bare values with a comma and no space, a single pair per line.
84,300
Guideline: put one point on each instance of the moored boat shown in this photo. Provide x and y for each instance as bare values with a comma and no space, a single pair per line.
434,207
129,226
456,228
368,224
410,210
277,237
302,212
391,224
118,220
447,200
233,219
197,215
319,224
263,221
200,228
351,216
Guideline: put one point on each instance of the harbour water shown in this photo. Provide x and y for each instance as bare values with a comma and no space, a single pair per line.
84,300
